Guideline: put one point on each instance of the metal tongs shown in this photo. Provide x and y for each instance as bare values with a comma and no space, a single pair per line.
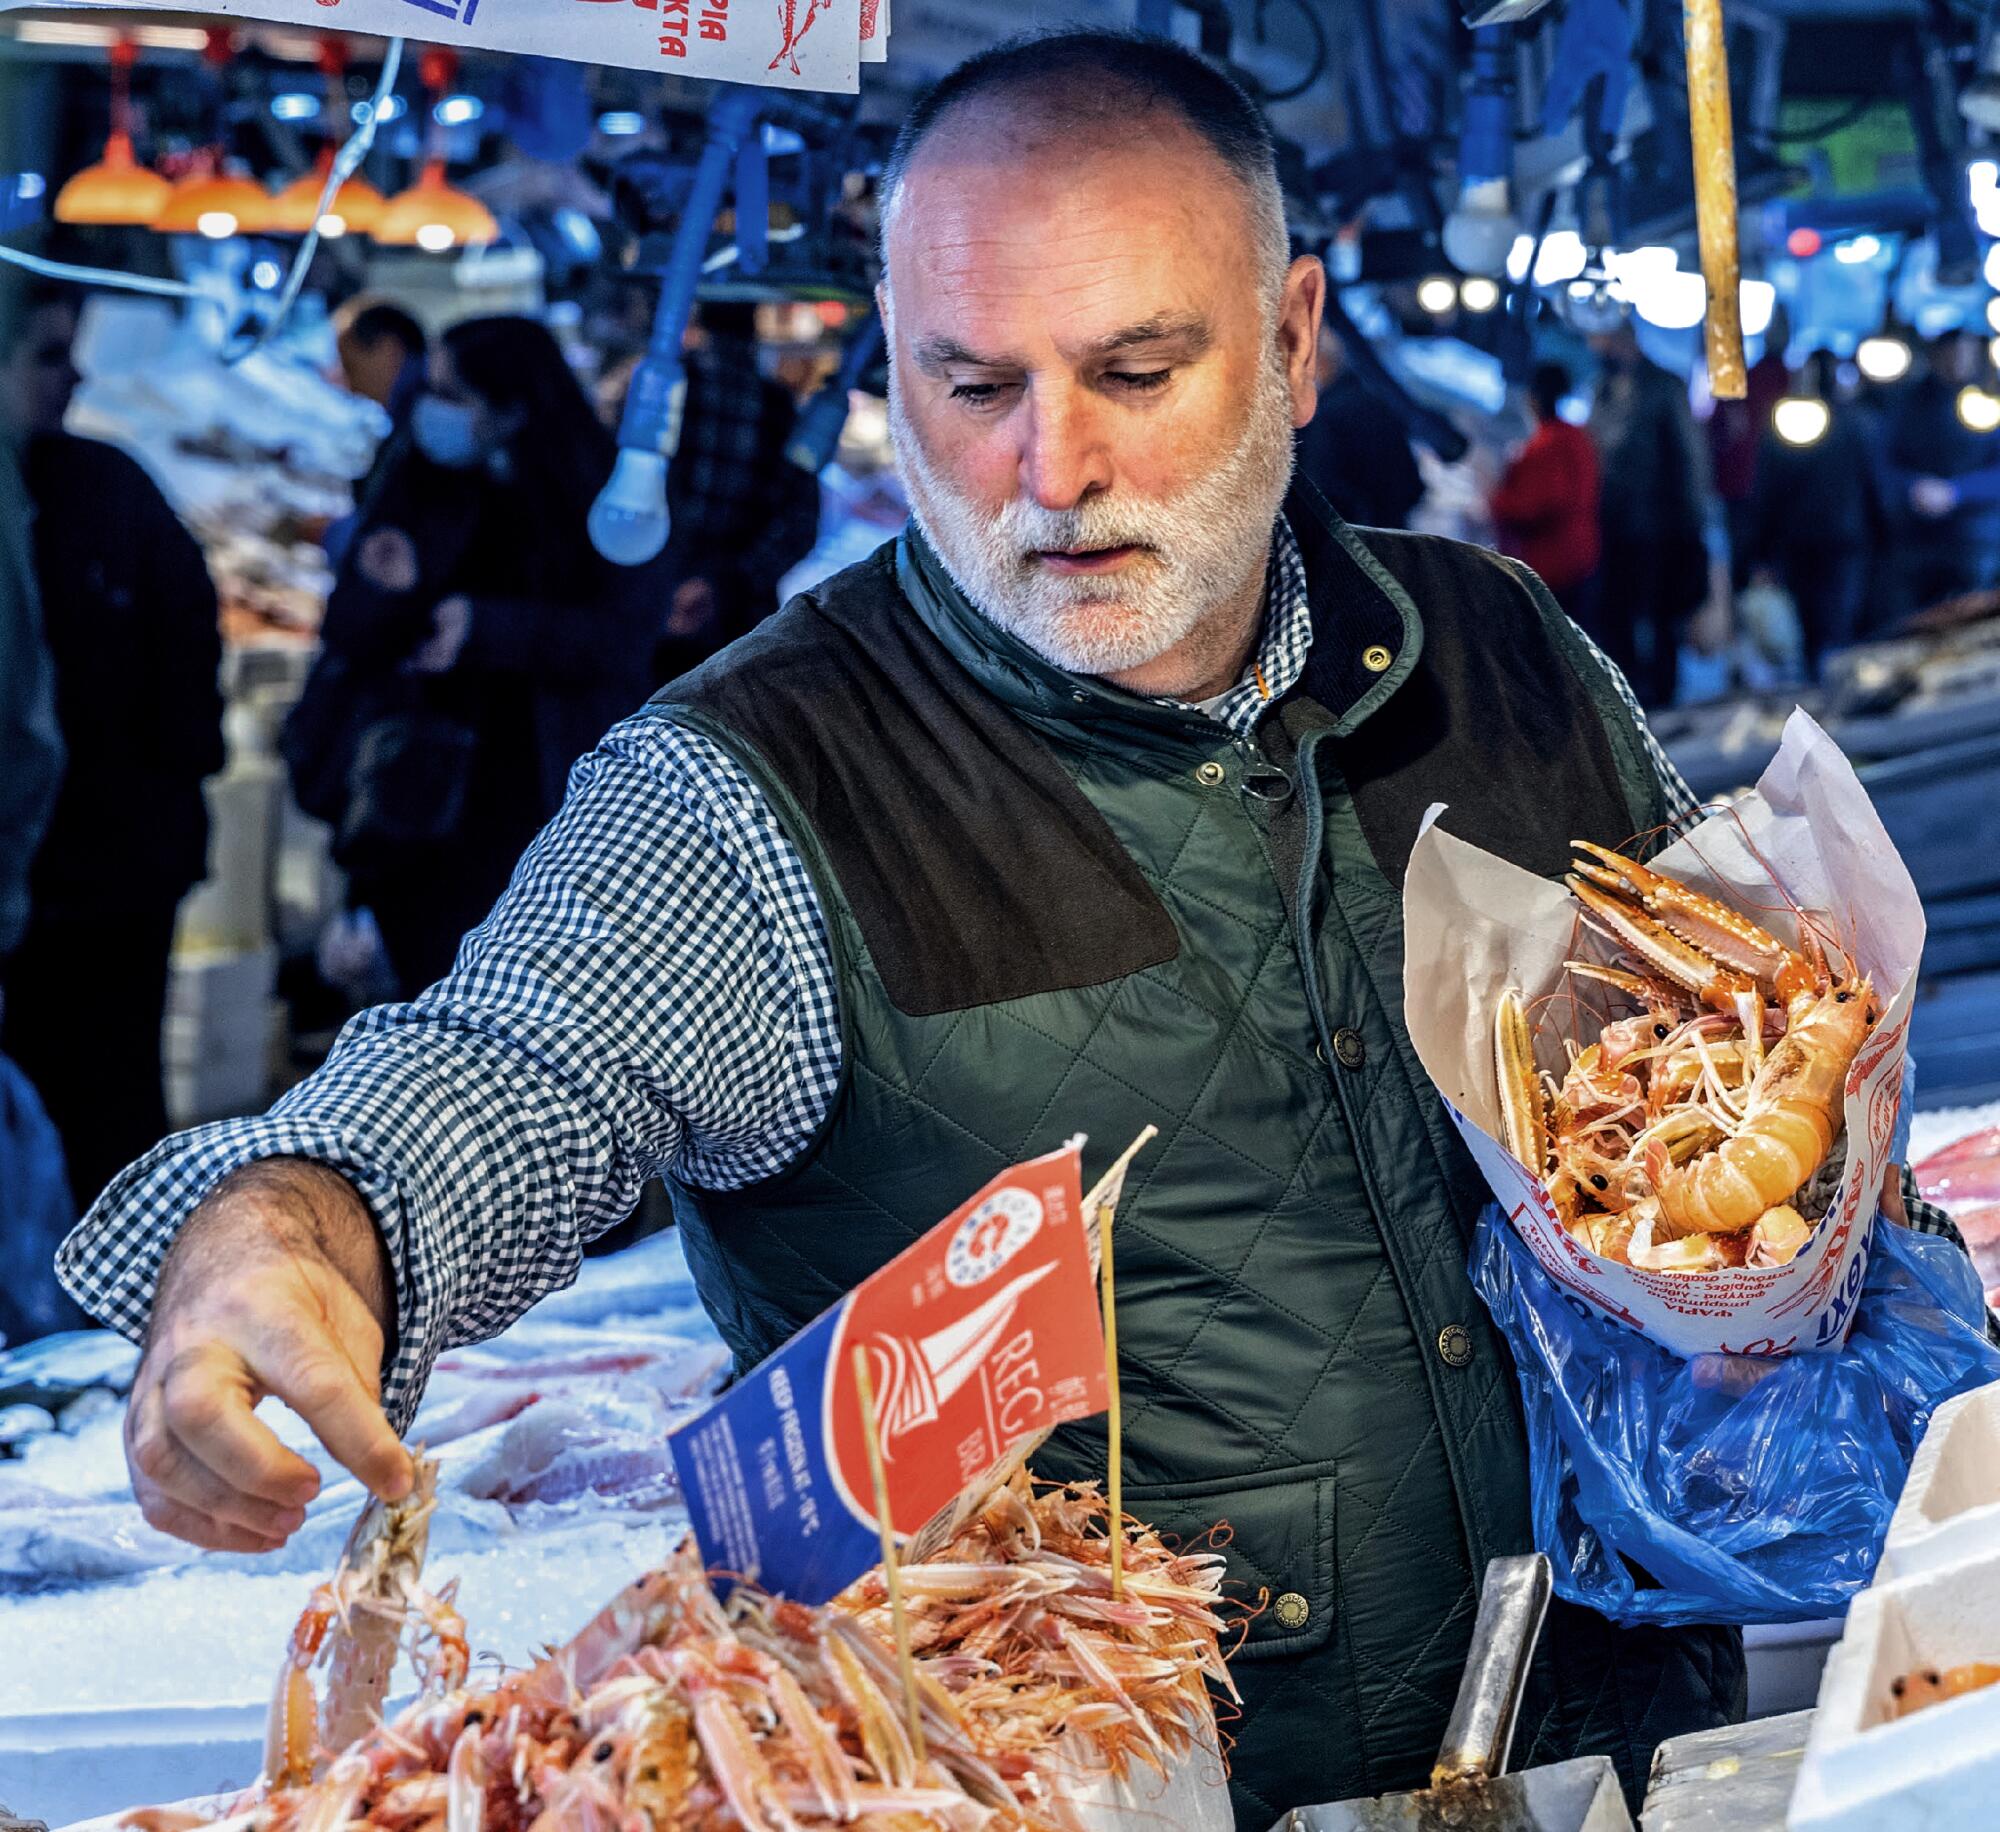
1470,1790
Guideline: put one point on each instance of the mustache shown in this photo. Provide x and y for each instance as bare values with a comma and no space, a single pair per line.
1089,528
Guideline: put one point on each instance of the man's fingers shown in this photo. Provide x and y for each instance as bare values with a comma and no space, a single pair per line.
200,1530
176,1476
326,1391
205,1408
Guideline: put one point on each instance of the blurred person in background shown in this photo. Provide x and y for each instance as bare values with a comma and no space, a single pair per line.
1545,508
475,643
1944,479
743,514
1653,510
383,356
1736,433
1818,518
1356,451
129,616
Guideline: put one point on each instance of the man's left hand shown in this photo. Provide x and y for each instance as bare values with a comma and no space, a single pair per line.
451,623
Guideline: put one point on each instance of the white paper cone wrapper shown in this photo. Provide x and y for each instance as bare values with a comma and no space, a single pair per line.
1806,839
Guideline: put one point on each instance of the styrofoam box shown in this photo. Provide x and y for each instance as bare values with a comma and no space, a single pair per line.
1950,1509
63,1766
1936,1770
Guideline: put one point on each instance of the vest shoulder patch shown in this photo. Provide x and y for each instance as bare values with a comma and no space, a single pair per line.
975,869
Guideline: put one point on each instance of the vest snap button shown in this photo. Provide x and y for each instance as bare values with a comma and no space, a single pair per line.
1375,658
1291,1610
1455,1346
1209,774
1349,1048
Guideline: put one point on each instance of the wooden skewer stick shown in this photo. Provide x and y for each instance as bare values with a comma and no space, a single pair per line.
891,1571
1709,126
1114,1421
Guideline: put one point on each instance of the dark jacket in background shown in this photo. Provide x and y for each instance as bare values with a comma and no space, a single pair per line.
1357,454
1945,555
559,649
130,620
743,514
1816,521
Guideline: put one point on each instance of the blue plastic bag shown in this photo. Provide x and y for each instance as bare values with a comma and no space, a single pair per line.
1721,1488
35,1213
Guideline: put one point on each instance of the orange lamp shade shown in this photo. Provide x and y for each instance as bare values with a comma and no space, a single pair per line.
217,206
115,191
356,206
434,216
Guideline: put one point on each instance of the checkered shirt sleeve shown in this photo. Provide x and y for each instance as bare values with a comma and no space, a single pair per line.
653,992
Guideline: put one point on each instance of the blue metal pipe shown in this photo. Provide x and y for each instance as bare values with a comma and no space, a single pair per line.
1486,131
817,433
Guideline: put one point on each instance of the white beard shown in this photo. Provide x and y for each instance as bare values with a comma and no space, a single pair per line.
1199,549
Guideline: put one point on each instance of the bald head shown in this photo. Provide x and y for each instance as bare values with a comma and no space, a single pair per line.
1057,100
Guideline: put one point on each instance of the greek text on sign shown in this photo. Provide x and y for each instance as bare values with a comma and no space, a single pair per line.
983,1333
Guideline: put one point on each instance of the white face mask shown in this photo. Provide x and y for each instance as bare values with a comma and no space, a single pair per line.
1201,545
446,432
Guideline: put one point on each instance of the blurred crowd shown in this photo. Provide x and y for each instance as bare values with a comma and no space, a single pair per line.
1817,512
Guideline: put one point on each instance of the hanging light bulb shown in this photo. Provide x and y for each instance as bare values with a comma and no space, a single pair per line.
1883,358
355,209
214,200
432,214
117,190
357,204
1801,419
1978,410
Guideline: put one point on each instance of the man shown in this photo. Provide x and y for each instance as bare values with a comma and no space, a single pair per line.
1654,507
130,622
743,514
1355,450
1944,479
1083,806
384,357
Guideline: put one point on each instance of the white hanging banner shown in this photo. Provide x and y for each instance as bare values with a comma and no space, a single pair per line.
780,44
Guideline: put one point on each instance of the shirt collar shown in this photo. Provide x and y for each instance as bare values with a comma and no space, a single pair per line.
1282,645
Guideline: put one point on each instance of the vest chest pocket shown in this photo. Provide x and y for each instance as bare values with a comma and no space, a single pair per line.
1279,1547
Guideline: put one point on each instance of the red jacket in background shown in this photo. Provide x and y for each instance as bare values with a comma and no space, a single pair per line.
1545,509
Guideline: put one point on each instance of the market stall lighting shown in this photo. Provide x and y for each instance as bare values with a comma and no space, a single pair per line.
1478,294
458,111
216,205
298,105
265,275
1883,359
393,109
1993,313
434,216
1857,249
1800,420
1757,302
117,190
357,206
1979,410
1992,268
29,185
619,123
1437,295
1803,243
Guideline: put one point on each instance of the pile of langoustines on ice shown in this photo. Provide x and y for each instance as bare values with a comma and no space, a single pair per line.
756,1712
1688,1135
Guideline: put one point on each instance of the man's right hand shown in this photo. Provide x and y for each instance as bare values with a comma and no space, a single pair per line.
278,1284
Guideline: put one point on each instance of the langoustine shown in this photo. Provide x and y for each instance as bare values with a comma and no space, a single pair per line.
1683,1137
673,1708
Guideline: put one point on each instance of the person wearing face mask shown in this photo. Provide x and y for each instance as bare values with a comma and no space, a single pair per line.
1083,805
475,643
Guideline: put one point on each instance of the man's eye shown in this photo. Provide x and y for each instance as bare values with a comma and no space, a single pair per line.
1140,381
979,394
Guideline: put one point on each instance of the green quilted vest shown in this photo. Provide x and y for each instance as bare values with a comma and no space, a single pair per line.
1059,908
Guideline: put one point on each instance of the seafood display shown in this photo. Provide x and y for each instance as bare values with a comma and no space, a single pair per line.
1914,1691
672,1707
1685,1135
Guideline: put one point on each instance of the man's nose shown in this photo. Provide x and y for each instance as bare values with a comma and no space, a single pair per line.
1066,456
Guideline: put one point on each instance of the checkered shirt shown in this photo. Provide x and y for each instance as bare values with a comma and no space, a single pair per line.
653,993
